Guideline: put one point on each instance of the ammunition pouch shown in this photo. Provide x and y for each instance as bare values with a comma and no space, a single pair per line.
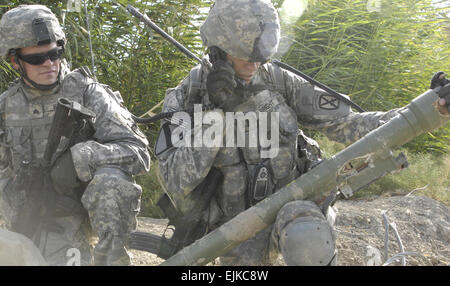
183,229
262,182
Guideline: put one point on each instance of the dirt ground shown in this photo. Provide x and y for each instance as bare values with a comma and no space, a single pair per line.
423,226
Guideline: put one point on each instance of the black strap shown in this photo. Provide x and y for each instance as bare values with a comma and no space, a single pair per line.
86,72
330,91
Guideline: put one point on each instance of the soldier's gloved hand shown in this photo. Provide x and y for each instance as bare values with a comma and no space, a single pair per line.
439,80
444,94
220,83
63,172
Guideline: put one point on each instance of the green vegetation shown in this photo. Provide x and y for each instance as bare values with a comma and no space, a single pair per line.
427,173
381,59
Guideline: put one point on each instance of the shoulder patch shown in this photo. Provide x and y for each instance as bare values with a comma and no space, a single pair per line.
328,102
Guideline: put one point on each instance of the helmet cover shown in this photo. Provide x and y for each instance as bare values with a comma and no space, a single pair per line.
246,29
28,26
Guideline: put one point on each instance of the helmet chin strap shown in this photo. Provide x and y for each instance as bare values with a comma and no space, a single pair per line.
36,85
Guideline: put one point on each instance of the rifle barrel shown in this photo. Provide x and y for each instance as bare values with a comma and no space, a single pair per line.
155,27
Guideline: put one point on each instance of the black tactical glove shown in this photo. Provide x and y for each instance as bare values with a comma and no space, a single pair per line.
444,94
439,80
220,85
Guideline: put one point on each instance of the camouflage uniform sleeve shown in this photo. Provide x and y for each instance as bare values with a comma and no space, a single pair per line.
352,127
182,168
340,124
6,174
118,142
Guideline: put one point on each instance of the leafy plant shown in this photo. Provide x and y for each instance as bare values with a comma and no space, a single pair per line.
381,59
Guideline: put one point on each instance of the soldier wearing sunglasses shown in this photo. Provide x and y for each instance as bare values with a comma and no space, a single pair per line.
91,181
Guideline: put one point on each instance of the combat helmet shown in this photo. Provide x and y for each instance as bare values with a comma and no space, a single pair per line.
29,25
245,29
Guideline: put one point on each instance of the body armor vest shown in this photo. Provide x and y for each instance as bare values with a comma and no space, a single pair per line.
248,177
28,118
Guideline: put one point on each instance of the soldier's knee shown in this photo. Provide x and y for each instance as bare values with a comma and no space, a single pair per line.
113,200
111,183
105,173
304,235
307,241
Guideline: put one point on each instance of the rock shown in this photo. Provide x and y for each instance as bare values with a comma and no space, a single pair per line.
373,256
422,223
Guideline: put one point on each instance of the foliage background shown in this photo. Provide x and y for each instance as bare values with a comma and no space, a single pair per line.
382,59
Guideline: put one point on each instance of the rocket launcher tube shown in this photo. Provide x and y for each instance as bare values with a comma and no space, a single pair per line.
420,116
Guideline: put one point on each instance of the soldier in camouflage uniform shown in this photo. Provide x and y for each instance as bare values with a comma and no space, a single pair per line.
248,32
92,179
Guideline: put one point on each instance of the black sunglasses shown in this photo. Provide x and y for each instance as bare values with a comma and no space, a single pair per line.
39,59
